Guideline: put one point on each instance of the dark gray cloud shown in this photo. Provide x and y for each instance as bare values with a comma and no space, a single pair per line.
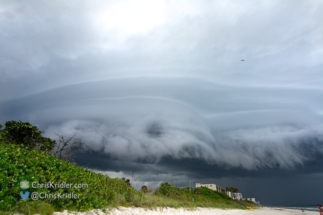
174,117
262,184
160,89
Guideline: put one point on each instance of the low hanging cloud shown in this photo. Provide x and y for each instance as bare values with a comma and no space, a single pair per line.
206,122
261,148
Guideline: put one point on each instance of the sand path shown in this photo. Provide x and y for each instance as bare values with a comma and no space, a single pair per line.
198,211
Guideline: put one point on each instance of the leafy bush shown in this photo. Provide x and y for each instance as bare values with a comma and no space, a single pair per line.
166,189
201,197
17,164
211,193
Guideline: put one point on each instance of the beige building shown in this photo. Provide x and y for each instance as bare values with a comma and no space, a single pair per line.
230,194
252,199
210,186
237,196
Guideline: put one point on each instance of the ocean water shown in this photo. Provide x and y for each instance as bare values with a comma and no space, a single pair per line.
305,207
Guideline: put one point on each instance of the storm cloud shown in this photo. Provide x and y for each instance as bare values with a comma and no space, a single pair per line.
230,126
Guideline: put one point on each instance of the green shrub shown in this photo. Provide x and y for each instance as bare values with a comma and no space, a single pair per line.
18,163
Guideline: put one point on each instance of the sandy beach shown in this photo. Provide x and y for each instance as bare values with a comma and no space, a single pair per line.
198,211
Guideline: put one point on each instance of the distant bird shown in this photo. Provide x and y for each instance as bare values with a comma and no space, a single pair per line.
242,60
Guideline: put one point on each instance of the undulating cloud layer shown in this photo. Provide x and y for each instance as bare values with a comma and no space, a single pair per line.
149,118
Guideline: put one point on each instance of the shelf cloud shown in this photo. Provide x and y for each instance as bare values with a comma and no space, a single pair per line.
183,119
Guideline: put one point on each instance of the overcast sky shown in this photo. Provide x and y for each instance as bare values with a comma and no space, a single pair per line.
224,92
